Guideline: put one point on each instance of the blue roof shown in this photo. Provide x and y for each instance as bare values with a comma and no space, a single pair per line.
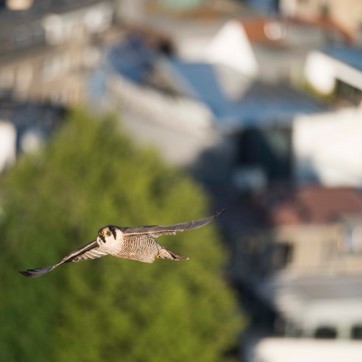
132,58
265,6
199,81
346,54
259,105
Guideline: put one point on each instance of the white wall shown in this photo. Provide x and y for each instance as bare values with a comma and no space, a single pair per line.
231,47
181,129
7,144
306,350
319,72
329,146
322,71
288,7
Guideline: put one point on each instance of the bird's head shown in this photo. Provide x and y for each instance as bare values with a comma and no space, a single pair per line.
107,233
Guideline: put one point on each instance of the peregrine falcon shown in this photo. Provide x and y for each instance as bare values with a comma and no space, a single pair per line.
136,243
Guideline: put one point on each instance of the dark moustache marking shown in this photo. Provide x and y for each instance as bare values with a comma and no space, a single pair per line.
113,231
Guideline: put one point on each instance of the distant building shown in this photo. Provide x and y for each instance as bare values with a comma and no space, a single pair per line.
346,13
190,24
46,48
264,6
231,47
325,146
304,270
7,144
18,4
271,48
302,350
309,231
336,70
180,4
24,126
252,119
153,109
318,318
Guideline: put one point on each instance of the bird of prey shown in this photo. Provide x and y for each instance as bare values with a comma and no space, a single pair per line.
137,243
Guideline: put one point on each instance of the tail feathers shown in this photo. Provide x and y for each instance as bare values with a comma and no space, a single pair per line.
34,273
170,255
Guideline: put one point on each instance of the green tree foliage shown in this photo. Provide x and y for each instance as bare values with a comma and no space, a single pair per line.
108,309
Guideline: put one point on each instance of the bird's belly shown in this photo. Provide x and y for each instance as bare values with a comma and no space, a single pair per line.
137,257
145,251
144,258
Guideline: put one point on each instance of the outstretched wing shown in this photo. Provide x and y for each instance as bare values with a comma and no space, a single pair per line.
158,230
88,251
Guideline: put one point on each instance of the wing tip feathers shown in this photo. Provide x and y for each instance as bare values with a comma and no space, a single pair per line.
218,213
34,273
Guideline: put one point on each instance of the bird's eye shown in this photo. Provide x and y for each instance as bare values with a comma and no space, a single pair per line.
108,233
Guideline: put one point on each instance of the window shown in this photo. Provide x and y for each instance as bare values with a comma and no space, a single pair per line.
356,332
7,78
282,255
24,77
22,37
348,92
56,66
54,29
324,10
38,34
352,241
97,20
325,332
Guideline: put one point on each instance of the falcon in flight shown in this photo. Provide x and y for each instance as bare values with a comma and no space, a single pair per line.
137,243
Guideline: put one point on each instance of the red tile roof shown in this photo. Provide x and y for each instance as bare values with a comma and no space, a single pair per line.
312,205
328,24
256,28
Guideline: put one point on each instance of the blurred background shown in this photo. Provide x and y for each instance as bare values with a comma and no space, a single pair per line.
133,112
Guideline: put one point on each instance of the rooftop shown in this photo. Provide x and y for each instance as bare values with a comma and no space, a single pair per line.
347,54
24,30
235,100
312,301
248,103
312,205
13,18
288,32
27,114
